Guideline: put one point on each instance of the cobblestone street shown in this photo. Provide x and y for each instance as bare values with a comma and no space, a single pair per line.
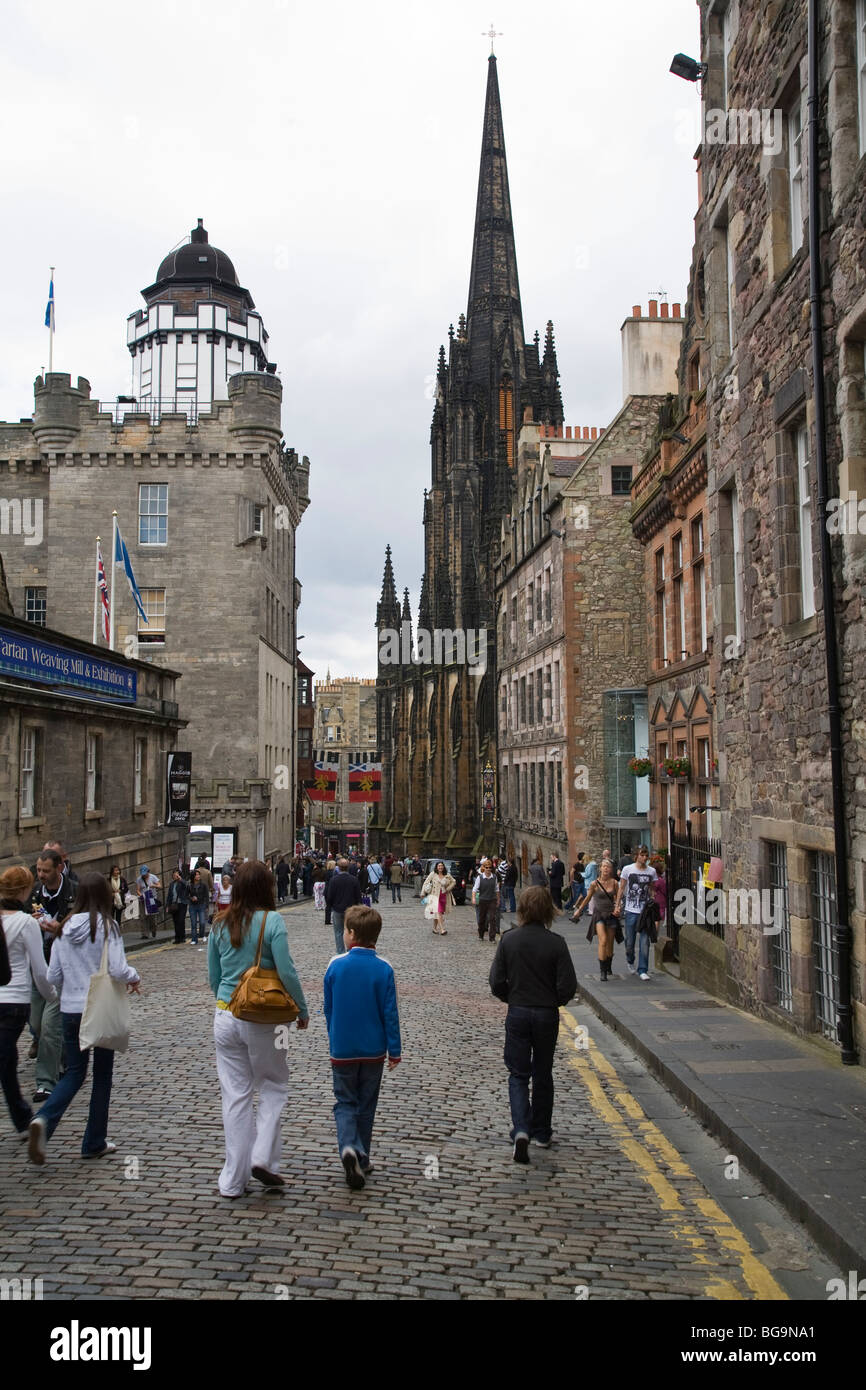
614,1210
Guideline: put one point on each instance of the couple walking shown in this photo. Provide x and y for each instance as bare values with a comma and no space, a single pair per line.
363,1028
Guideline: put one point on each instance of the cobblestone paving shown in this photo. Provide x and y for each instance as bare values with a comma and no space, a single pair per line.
610,1211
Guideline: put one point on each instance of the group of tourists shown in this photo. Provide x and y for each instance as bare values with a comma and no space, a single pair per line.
626,901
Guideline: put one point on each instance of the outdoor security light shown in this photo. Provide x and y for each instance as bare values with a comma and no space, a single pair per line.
680,438
688,68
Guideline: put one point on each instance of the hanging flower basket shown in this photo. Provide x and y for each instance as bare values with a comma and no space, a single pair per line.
640,767
675,767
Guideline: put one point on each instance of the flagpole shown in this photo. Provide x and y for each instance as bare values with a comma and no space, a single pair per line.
51,335
96,597
113,570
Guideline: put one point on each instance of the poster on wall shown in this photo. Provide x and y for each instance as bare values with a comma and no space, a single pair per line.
224,846
178,780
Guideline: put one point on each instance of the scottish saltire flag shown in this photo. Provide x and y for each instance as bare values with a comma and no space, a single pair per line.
49,308
103,593
121,557
365,781
322,786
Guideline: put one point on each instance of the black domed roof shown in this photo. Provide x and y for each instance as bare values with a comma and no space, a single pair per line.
196,262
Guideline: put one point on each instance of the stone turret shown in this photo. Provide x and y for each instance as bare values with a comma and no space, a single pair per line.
57,410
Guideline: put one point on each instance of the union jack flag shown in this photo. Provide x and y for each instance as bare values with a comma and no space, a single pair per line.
103,593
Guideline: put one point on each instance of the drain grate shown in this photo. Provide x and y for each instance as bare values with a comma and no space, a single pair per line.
691,1004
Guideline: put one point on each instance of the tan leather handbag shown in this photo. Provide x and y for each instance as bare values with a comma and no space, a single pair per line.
260,995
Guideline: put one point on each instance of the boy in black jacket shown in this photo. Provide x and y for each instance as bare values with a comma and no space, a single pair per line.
533,973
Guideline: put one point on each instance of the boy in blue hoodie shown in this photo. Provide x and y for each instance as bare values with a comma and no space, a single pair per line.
363,1026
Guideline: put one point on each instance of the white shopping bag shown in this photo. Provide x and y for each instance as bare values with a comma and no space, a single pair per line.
107,1018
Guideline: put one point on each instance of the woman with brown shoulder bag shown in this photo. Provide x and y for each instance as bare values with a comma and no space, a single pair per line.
248,940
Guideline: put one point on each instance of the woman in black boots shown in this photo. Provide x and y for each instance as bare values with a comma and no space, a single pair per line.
601,897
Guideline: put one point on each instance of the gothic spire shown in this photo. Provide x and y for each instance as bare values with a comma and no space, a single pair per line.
494,292
388,609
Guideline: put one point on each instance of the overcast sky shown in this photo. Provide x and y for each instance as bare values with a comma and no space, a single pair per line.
333,153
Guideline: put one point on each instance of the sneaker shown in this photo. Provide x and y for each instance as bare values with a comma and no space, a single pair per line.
521,1148
354,1176
632,969
41,1094
108,1149
643,975
36,1142
268,1179
542,1143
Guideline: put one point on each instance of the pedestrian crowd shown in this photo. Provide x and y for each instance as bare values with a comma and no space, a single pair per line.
62,945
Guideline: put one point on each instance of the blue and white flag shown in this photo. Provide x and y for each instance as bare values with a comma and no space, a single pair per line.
121,557
49,308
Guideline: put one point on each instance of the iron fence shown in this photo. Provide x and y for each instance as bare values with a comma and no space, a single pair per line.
688,858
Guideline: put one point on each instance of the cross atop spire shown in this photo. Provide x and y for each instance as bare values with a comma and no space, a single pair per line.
491,35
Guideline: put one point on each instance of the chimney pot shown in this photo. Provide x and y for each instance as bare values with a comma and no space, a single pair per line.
568,431
653,308
677,311
594,433
586,431
664,311
636,311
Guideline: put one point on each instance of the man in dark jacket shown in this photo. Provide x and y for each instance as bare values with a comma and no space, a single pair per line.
342,892
282,877
533,973
556,874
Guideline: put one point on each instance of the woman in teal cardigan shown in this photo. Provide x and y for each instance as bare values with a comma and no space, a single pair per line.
249,1056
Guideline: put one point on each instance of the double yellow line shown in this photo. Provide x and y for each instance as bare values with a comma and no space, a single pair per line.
643,1144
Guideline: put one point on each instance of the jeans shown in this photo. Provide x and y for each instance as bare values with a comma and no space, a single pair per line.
197,920
374,891
530,1042
13,1018
95,1135
509,904
631,931
45,1025
337,924
356,1091
396,894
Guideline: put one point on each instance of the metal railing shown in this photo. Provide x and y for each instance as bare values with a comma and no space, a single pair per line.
155,407
688,856
824,945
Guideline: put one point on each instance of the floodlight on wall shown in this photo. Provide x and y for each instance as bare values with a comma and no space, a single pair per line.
688,68
680,438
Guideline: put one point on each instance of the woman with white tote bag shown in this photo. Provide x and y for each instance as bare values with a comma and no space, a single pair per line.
76,957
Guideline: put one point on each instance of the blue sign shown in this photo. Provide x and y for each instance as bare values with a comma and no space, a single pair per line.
28,658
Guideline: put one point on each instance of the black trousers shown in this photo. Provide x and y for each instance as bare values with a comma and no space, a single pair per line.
178,916
13,1018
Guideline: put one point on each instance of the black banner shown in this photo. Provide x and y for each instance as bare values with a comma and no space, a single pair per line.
178,777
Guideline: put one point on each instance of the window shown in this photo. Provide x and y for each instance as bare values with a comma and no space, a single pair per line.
541,791
36,606
330,733
861,71
703,747
522,701
699,586
625,731
303,690
152,631
93,780
548,714
153,513
257,519
539,696
555,700
727,39
551,795
804,519
139,780
679,600
30,772
780,943
532,789
548,605
661,612
530,607
795,172
559,793
305,743
523,789
826,957
514,620
186,362
620,480
729,285
737,541
538,599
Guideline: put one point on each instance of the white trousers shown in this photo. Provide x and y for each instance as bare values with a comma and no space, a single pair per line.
249,1060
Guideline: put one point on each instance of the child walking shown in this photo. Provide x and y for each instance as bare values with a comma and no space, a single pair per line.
363,1026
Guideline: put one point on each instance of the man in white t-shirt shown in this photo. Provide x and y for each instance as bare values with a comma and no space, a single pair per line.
635,884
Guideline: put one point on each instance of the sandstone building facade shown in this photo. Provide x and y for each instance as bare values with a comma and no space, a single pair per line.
208,499
344,726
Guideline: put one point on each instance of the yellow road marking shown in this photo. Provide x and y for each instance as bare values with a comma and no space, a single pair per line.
591,1066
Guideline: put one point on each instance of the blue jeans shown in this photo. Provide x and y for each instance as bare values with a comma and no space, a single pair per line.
356,1091
396,893
509,905
374,891
70,1084
197,920
631,931
530,1042
337,924
13,1018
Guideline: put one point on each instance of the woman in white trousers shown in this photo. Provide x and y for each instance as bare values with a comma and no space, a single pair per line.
251,1057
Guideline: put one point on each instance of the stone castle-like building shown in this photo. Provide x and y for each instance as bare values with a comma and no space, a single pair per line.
436,717
208,499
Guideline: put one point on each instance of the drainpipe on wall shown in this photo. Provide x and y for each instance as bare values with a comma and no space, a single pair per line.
842,927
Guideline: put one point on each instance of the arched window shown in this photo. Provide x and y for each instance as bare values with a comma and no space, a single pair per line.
456,719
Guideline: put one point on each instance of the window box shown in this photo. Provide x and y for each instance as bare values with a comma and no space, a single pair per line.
640,767
676,769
